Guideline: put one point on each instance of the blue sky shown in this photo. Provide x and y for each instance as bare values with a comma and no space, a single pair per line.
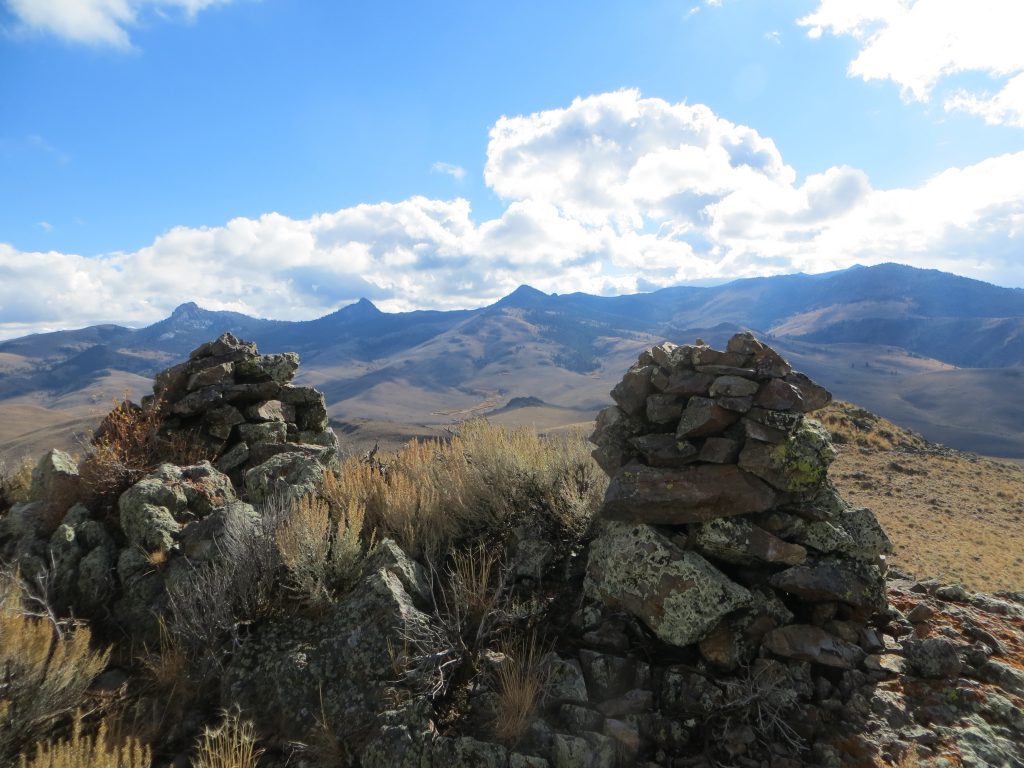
284,157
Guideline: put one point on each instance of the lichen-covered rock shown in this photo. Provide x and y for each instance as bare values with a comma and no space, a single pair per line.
739,541
798,464
677,593
336,667
934,657
289,476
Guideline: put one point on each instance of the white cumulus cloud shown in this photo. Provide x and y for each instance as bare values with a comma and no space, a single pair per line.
614,193
918,43
97,22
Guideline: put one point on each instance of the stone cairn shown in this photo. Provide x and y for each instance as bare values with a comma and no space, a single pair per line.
242,406
722,529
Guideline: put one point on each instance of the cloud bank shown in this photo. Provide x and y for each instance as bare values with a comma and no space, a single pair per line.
614,193
919,43
97,22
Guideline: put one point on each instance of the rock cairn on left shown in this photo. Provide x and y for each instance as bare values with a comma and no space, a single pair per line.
264,436
242,406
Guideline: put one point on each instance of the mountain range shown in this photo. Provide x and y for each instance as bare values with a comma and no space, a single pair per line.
938,353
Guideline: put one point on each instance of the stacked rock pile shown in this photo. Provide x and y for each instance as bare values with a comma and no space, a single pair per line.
242,406
722,527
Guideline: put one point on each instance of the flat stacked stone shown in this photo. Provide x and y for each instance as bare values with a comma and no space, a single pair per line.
722,528
242,405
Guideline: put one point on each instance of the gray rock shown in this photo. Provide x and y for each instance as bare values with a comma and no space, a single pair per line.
338,666
467,752
720,450
805,642
703,417
612,433
388,556
211,375
678,594
778,395
933,657
814,396
663,409
271,410
737,540
688,383
264,432
55,480
588,750
566,684
290,475
732,386
631,393
852,582
277,368
607,675
664,450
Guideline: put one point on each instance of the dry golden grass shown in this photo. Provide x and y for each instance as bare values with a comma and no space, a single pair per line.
46,669
82,751
433,493
232,744
951,515
521,681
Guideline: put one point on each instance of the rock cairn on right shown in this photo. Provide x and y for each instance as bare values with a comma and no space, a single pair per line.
722,529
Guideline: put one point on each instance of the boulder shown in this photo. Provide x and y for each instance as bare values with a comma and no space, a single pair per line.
677,593
337,667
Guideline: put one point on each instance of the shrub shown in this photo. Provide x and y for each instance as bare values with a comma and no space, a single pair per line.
46,668
434,494
127,444
81,751
321,550
211,605
230,745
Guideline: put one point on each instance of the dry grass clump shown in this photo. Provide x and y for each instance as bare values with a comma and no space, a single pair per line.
82,751
15,483
46,668
232,744
520,684
321,547
434,493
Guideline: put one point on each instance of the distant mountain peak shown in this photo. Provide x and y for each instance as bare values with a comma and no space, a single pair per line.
524,296
362,308
188,309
